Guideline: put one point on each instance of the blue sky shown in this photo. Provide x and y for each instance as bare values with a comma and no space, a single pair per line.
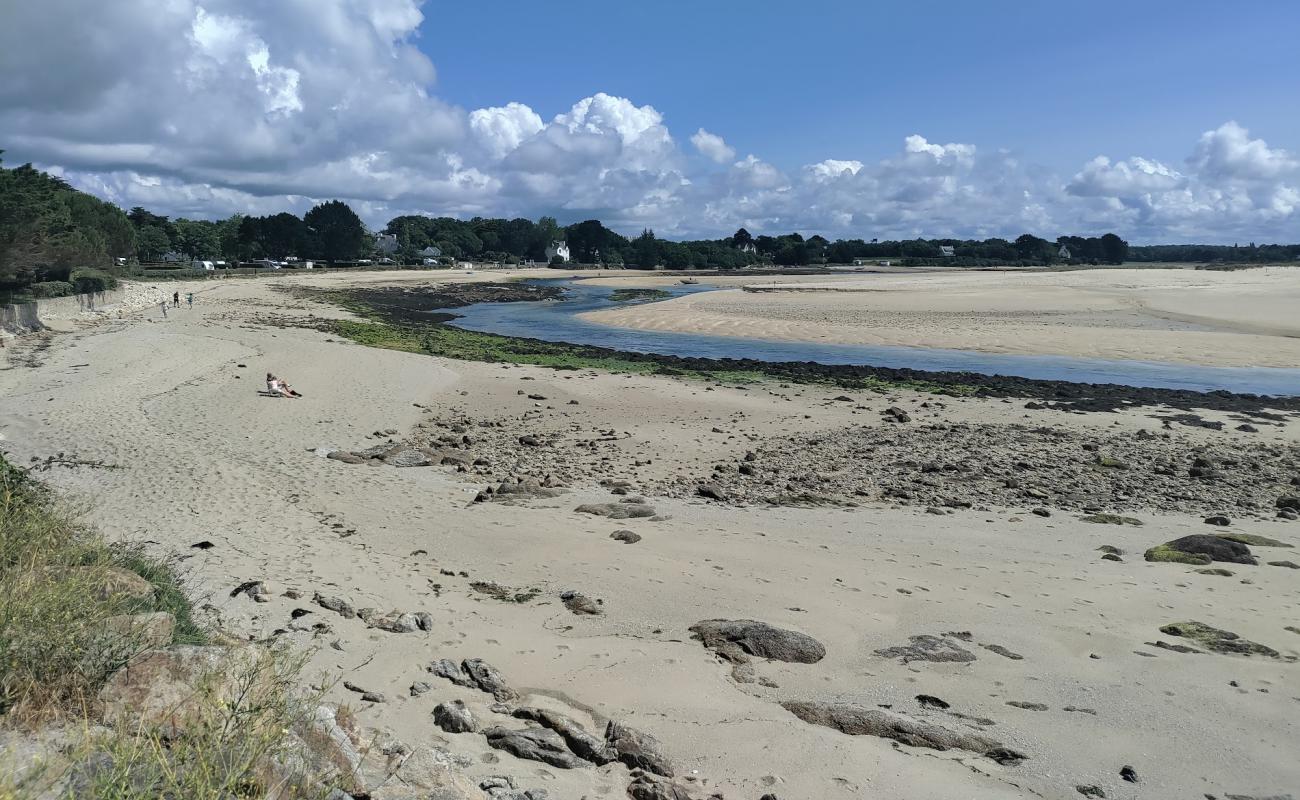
1060,82
1161,121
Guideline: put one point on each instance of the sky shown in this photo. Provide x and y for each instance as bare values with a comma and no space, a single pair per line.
1161,121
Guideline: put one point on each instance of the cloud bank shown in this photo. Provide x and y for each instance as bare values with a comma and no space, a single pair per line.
208,108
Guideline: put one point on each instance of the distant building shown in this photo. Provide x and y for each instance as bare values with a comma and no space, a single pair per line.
431,251
947,251
748,247
1064,253
560,249
172,257
386,242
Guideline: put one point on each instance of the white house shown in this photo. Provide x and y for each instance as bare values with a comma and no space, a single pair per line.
748,247
1064,253
560,249
386,242
947,251
431,251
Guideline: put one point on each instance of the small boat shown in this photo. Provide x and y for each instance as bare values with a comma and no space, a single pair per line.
688,281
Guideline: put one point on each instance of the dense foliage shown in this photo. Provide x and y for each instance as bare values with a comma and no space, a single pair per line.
48,229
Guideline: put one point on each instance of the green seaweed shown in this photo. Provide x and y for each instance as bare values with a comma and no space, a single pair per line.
1216,640
629,295
1252,539
1163,552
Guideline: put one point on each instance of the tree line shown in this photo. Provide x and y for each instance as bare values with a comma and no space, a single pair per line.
53,236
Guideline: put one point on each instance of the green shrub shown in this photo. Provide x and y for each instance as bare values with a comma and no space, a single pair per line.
54,653
89,281
46,289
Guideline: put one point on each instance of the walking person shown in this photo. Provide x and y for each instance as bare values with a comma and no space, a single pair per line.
164,307
176,299
189,298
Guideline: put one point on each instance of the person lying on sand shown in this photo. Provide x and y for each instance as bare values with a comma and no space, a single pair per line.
278,387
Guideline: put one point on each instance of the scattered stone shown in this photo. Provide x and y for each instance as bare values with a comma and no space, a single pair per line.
626,537
446,668
505,594
859,721
1220,571
1287,564
345,457
928,648
1218,519
393,621
736,640
1111,557
1201,549
1128,773
420,687
1110,550
1040,512
454,717
1216,640
1090,791
203,545
1026,705
896,414
645,786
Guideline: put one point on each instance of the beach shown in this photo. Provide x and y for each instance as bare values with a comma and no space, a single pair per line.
1219,318
1033,644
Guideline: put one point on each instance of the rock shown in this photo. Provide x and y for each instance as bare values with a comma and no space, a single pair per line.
617,510
1026,705
419,773
930,701
1111,557
928,648
645,786
896,414
1251,539
1110,550
528,440
1220,571
858,721
135,632
393,621
423,620
580,604
1128,773
1289,501
1201,549
1090,791
487,678
374,697
111,583
735,640
1218,641
1287,564
1218,519
638,750
336,604
1004,652
406,457
346,457
1041,512
534,744
420,687
523,488
446,668
626,537
454,717
579,741
1110,519
711,491
162,688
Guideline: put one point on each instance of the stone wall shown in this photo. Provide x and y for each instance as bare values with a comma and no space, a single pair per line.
33,316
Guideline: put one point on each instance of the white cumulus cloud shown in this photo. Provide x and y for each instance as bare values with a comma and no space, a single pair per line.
712,146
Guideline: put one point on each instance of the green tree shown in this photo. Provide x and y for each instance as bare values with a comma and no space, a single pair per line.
198,239
645,250
1114,249
336,231
151,242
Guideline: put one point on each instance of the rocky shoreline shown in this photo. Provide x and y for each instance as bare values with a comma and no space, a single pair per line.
426,306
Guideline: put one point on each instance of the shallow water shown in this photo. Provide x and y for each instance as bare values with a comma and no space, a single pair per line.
556,321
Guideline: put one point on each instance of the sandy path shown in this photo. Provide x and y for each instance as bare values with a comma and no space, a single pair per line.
202,457
1241,318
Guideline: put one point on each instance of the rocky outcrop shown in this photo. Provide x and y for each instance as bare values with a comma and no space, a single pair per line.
454,717
535,744
162,688
859,721
1201,549
737,640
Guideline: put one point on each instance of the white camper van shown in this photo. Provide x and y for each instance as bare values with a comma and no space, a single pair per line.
203,266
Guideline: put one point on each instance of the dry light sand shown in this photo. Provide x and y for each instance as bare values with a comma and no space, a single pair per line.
173,403
1238,318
